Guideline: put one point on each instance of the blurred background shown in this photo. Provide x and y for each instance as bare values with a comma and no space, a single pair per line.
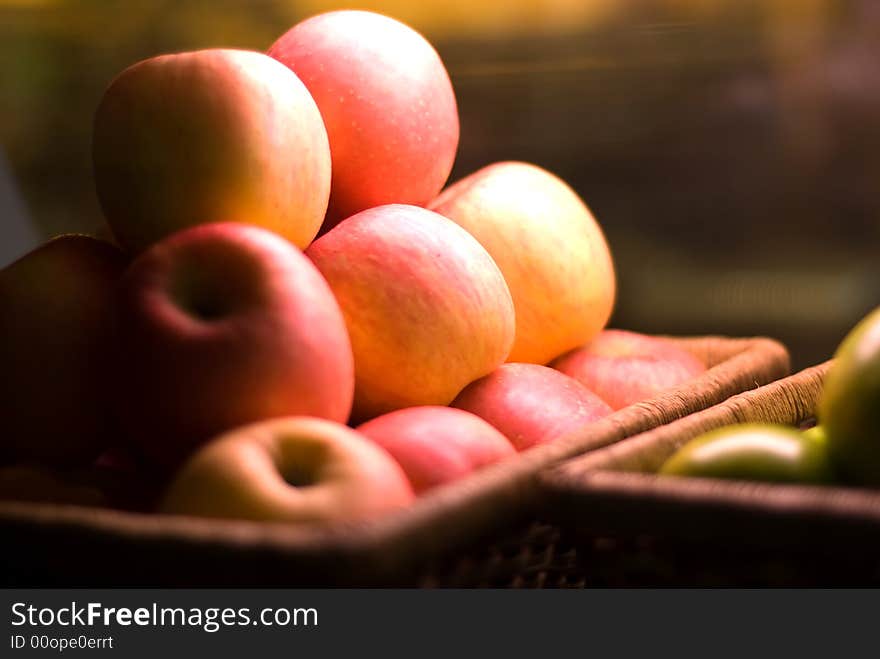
729,148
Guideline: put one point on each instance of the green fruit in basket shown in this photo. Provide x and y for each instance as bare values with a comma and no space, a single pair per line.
850,404
817,434
756,452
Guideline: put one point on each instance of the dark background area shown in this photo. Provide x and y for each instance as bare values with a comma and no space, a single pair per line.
730,149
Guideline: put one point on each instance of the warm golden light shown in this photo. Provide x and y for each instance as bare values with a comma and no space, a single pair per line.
486,19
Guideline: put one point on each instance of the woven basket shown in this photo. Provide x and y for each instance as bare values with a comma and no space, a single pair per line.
68,545
697,531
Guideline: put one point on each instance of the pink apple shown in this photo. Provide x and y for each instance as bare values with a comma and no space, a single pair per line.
437,445
426,307
531,404
210,136
222,325
625,367
56,328
295,470
387,103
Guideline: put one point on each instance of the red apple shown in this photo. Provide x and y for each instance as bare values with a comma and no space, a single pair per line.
626,367
296,470
387,103
548,246
210,136
437,445
531,404
426,307
129,481
115,484
45,484
56,326
222,325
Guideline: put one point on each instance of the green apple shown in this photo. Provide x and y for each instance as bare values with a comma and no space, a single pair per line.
755,452
850,405
817,434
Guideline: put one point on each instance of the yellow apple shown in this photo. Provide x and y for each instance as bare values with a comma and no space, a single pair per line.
210,136
549,248
297,470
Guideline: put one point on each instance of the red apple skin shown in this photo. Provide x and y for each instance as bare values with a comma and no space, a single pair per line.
56,329
221,325
626,367
116,482
426,307
387,102
549,247
436,445
128,481
531,404
296,470
38,483
210,136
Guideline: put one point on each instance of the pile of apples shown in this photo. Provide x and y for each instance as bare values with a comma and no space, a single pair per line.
295,322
